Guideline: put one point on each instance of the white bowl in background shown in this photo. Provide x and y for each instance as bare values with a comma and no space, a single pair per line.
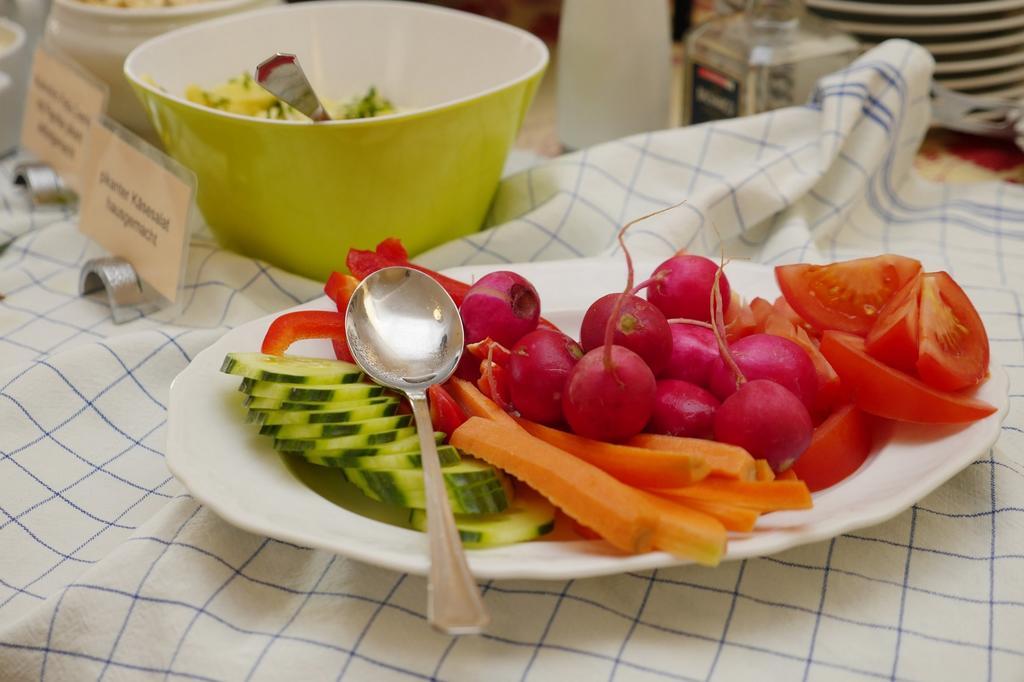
99,38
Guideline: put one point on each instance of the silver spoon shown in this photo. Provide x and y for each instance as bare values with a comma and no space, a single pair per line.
405,332
282,77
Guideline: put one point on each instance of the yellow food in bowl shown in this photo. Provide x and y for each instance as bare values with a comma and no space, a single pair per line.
298,194
242,95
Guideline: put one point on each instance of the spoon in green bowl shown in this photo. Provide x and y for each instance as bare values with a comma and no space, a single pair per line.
405,332
282,77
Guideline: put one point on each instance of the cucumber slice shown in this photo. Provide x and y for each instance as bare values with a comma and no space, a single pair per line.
290,370
321,431
355,458
325,393
338,456
473,487
358,440
296,417
254,403
448,455
527,518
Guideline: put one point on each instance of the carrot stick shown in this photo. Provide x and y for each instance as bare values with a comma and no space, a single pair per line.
618,513
726,461
686,532
763,471
739,519
787,475
629,519
639,467
751,495
476,403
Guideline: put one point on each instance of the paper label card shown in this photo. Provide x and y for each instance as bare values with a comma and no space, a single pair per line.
137,203
62,102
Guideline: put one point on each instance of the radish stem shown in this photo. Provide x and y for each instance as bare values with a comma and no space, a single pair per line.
609,333
686,320
719,329
643,285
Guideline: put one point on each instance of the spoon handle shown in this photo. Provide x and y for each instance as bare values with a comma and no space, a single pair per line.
454,604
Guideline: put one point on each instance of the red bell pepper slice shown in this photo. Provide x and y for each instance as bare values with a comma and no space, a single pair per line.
339,289
489,349
390,253
303,324
494,383
445,414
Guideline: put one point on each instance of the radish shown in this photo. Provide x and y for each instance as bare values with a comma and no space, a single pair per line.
681,287
501,305
609,394
764,356
694,353
683,409
767,421
640,327
761,416
538,368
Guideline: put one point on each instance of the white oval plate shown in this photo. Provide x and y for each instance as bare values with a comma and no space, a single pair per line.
908,29
959,66
992,42
234,471
926,10
1003,77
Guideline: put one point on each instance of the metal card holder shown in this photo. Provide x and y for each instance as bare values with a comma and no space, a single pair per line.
129,297
44,186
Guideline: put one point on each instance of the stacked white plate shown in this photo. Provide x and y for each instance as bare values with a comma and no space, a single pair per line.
978,45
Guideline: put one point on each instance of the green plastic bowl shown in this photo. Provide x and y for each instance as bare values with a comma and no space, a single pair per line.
298,194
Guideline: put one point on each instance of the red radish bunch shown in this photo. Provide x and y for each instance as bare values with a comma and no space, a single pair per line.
766,384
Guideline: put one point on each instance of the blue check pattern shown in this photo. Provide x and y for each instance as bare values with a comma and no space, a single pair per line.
110,570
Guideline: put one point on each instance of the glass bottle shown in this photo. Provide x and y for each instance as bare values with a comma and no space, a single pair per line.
766,57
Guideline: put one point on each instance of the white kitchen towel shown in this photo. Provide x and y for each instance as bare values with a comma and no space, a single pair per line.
110,570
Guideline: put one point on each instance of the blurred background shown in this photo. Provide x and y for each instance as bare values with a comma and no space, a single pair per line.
620,66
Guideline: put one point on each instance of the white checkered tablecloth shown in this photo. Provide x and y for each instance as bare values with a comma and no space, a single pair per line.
110,570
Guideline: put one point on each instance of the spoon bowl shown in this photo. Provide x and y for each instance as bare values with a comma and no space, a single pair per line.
405,332
405,328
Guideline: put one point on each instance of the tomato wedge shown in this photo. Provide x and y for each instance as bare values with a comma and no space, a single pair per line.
846,296
838,447
894,338
739,319
954,351
879,389
780,307
761,310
